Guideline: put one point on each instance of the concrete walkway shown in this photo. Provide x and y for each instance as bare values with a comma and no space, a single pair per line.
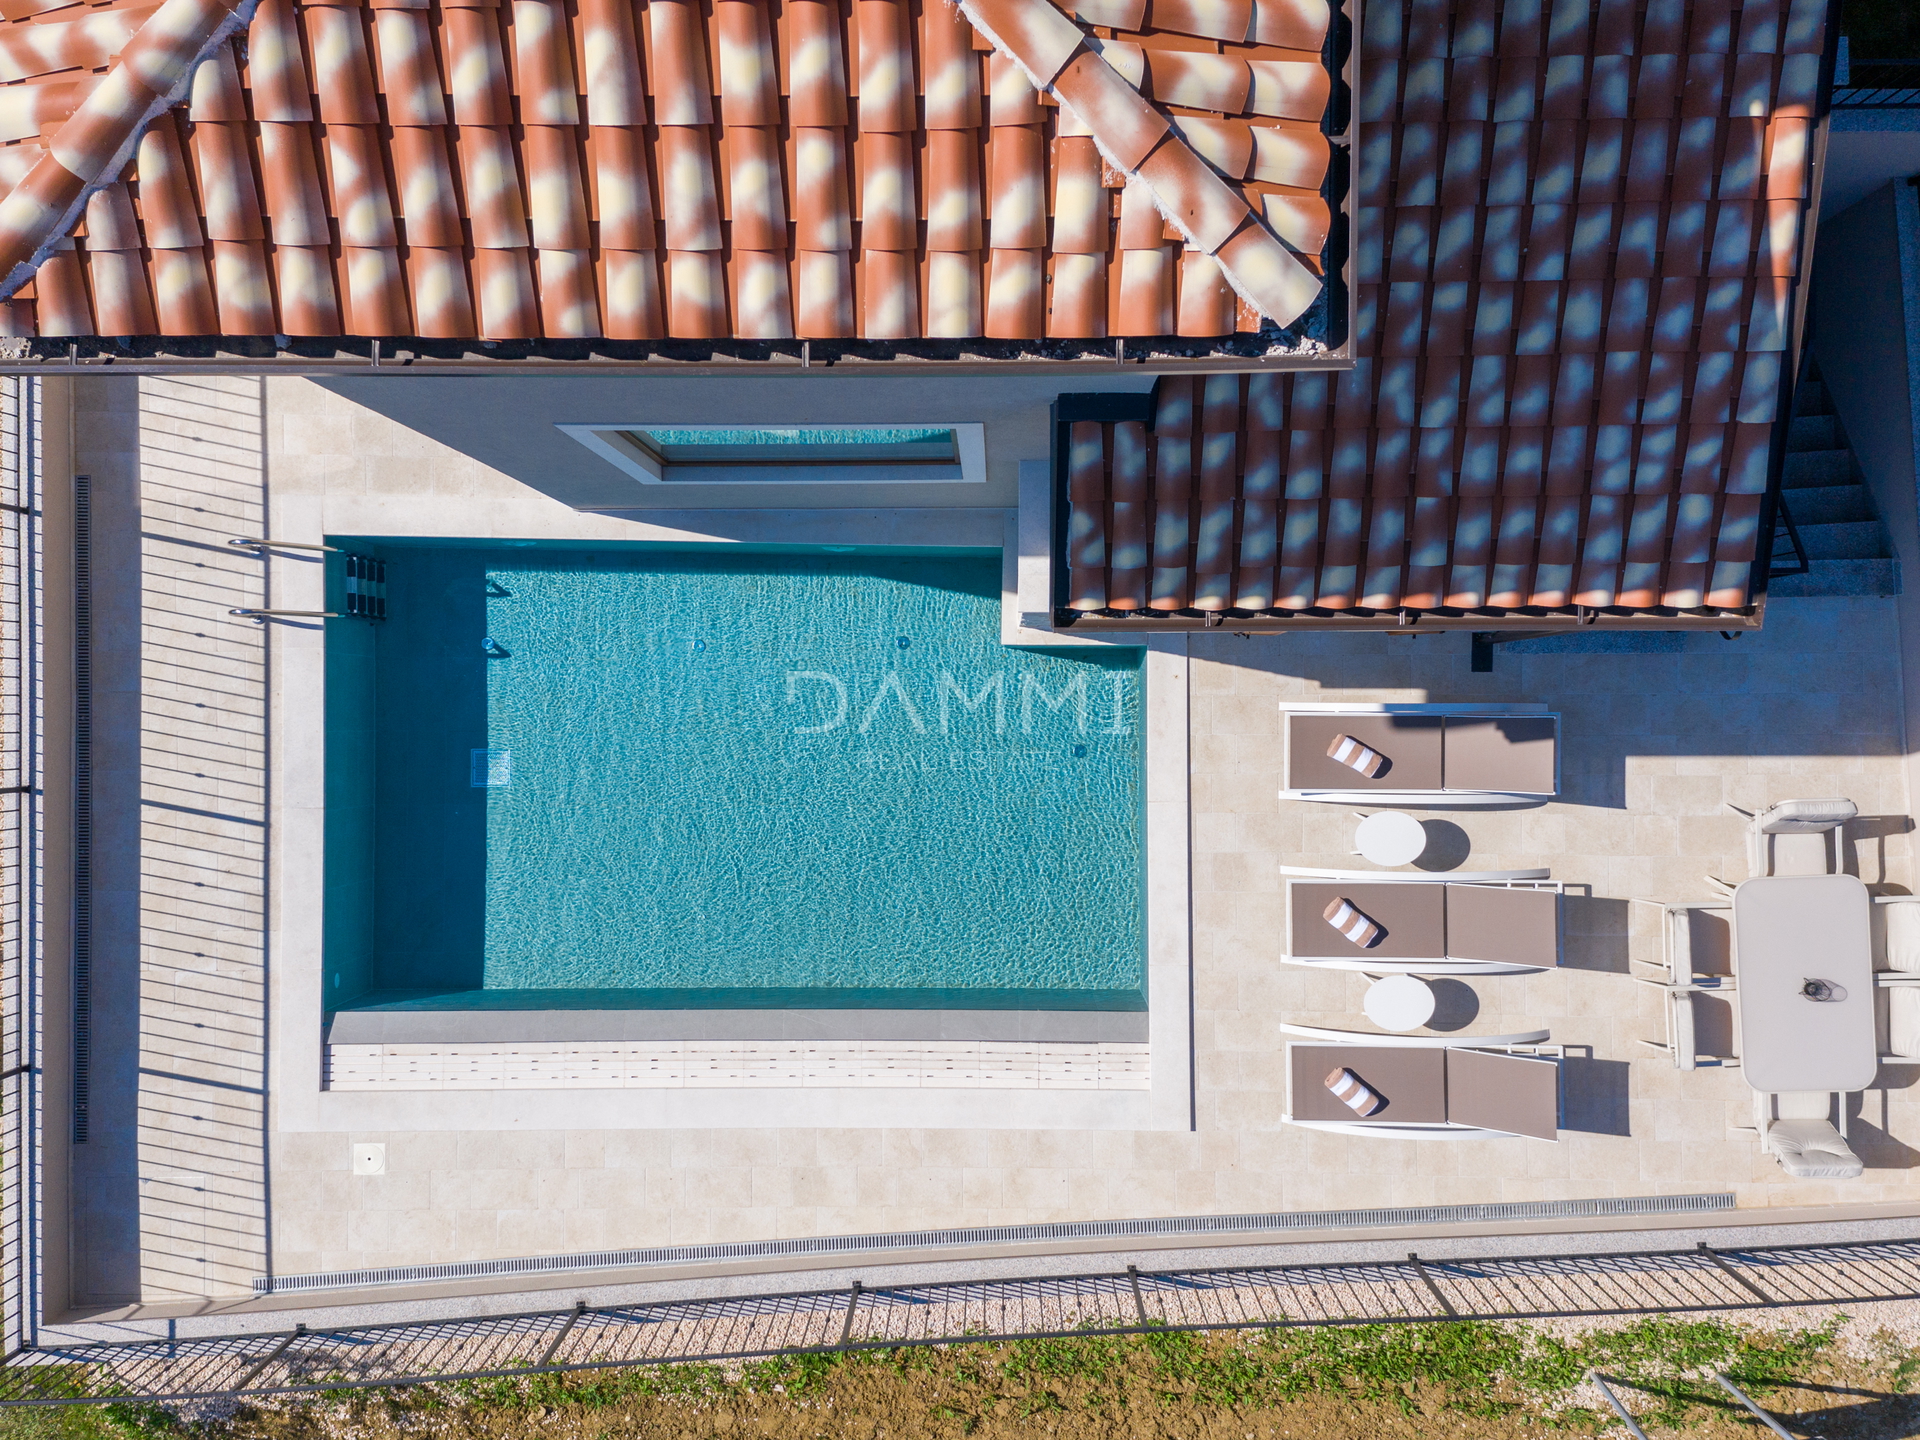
171,1187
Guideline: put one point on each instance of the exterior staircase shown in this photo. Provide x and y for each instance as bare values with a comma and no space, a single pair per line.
1846,546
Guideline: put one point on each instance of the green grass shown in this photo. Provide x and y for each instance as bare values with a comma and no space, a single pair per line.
1482,1368
1472,1367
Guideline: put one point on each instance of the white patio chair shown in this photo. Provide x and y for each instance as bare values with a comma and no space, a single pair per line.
1796,837
1900,1018
1684,939
1795,1128
1683,1030
1896,939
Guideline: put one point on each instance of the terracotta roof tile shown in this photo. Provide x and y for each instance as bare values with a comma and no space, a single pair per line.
437,286
342,71
357,186
84,42
610,63
477,67
630,292
225,170
503,294
1616,272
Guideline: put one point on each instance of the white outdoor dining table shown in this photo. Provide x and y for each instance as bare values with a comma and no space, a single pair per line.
1788,929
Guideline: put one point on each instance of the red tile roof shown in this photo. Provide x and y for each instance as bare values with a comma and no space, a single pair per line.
647,169
1579,231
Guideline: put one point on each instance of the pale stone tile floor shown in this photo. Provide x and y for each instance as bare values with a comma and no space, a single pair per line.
1655,744
170,1190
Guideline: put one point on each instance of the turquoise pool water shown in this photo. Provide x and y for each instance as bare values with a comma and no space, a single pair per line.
632,777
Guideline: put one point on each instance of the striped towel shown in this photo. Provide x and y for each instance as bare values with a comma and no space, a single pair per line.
1361,929
1355,756
1346,1088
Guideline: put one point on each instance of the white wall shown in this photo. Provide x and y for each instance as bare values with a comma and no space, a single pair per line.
1865,334
508,423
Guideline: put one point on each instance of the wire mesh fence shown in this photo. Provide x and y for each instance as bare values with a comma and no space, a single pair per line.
1122,1303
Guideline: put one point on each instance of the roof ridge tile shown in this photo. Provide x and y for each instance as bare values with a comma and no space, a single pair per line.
154,73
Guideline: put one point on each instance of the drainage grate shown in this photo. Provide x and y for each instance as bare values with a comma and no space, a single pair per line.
1003,1235
82,804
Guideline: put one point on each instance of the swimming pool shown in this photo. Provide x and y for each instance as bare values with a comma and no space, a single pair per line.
714,777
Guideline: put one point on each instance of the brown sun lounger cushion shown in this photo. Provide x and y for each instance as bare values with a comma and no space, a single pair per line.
1501,752
1412,917
1352,1092
1509,926
1410,745
1411,1084
1515,1093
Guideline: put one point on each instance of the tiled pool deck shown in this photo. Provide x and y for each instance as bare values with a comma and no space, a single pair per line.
1655,745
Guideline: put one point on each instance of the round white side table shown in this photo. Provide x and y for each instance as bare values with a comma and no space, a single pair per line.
1399,1002
1390,838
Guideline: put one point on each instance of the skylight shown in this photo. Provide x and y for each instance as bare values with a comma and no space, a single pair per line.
789,454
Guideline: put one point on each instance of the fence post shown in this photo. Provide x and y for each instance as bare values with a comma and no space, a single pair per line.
271,1356
846,1326
1734,1275
1762,1416
1421,1271
1633,1426
546,1358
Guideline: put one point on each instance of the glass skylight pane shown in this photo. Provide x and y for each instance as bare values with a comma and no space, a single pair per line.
800,435
798,445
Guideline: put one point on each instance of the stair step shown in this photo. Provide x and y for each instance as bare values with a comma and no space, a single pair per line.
1839,577
1814,432
1852,540
1811,398
1830,505
1819,467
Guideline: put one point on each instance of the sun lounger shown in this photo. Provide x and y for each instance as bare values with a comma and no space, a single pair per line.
1425,927
1435,1091
1433,756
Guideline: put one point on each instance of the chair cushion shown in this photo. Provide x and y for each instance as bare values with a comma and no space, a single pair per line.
1902,921
1800,817
1903,1020
1812,1150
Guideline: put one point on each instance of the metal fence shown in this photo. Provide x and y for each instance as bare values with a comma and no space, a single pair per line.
20,701
1129,1302
1878,85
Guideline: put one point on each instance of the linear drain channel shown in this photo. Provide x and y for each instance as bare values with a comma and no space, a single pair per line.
1002,1235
